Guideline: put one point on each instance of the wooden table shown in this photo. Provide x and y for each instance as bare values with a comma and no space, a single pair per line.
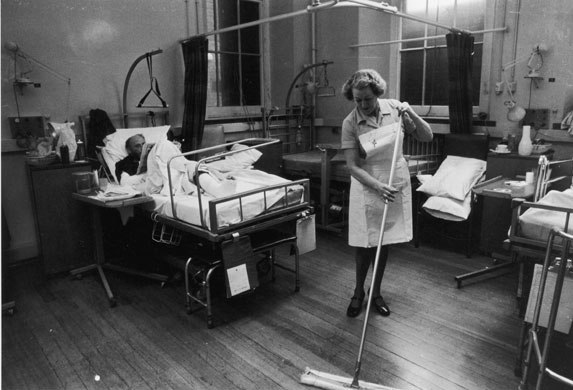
100,263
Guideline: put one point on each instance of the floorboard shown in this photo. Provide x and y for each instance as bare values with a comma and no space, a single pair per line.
64,335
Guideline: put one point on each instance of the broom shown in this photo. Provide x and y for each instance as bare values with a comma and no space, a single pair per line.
333,382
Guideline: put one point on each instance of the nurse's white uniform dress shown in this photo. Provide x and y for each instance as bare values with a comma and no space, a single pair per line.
375,137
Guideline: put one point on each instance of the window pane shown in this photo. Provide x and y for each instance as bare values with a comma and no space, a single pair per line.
465,14
436,93
412,28
227,13
212,83
478,53
471,15
234,75
411,77
229,42
251,66
229,85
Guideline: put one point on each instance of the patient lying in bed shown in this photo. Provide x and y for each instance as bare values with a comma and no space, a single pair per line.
135,163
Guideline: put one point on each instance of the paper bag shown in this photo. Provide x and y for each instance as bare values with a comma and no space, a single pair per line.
240,266
306,234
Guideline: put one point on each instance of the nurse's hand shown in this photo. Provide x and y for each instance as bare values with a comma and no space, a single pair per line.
386,192
404,107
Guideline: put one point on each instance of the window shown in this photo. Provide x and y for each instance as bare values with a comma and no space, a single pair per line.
235,57
424,63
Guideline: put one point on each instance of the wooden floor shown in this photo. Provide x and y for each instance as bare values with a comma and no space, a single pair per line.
65,336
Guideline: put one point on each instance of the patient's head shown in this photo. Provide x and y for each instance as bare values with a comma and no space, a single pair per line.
134,145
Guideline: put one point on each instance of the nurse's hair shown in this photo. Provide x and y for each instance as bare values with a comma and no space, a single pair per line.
362,79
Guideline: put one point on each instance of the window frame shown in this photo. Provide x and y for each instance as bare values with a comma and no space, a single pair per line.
250,110
486,69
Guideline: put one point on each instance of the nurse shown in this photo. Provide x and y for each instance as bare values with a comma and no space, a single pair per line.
368,135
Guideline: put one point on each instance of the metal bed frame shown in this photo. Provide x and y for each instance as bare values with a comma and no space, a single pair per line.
534,351
535,248
273,227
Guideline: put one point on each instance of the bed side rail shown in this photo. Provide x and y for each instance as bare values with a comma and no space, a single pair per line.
285,204
423,157
219,156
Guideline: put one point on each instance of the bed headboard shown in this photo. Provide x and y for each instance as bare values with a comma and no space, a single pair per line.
466,145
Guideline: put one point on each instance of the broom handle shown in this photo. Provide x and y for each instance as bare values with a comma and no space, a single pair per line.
377,260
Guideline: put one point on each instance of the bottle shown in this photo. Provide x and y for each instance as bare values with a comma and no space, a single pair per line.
65,154
525,146
81,152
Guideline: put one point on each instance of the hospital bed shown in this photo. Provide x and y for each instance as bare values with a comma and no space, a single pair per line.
230,232
531,226
326,165
551,206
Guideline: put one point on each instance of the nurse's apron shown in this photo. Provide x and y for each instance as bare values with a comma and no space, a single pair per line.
367,206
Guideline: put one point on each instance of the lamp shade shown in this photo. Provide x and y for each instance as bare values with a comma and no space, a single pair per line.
515,113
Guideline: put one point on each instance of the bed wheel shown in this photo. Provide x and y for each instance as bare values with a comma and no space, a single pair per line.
210,324
459,283
296,289
112,302
77,277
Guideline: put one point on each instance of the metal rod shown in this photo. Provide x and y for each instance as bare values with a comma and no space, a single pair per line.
254,23
499,29
126,82
382,7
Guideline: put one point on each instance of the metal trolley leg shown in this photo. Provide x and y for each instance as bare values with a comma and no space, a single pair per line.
533,349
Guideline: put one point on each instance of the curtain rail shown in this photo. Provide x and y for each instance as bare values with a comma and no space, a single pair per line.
317,6
499,29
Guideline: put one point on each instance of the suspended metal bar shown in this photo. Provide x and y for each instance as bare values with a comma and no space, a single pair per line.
128,77
318,6
499,29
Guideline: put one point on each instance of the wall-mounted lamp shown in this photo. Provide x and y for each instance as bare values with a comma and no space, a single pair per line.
534,63
21,79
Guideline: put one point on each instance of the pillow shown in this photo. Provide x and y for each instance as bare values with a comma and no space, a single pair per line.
115,142
448,208
455,177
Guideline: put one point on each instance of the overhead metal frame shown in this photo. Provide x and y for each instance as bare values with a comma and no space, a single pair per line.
318,6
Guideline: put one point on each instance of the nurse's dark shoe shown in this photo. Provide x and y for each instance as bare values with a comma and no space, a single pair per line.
381,306
355,306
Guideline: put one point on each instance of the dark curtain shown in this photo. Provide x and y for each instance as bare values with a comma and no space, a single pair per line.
460,67
99,126
195,57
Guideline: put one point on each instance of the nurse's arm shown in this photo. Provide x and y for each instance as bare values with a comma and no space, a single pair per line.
352,162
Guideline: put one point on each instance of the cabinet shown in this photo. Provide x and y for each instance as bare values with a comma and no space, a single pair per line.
496,212
63,225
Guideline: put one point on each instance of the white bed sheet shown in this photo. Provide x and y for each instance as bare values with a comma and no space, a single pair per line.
537,223
228,213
